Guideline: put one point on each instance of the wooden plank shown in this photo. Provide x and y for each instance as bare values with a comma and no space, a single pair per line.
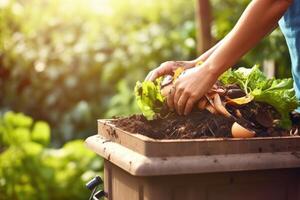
140,165
189,147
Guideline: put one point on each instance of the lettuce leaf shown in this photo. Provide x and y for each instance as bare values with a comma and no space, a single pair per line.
149,98
276,92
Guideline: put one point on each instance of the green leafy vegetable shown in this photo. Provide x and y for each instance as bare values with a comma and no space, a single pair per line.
149,98
276,92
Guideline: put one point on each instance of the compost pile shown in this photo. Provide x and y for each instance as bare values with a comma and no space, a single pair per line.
244,97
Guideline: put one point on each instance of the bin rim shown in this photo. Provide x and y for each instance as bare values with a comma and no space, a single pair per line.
140,165
152,140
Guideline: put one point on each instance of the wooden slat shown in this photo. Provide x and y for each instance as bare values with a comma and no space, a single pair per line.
189,147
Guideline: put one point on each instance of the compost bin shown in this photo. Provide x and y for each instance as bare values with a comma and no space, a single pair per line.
137,167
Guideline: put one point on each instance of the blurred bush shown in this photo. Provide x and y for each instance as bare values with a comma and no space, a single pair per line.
62,60
31,171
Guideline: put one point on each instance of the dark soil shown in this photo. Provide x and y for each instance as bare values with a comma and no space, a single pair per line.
258,117
255,116
198,124
203,124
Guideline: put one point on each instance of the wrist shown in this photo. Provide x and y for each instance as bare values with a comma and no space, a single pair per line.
197,60
187,64
212,70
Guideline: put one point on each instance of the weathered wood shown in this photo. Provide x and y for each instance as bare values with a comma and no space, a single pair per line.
247,185
140,168
189,147
203,23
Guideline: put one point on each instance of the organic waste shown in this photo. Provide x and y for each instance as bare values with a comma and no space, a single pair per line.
242,101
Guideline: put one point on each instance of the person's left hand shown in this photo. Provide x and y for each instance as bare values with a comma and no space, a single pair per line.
189,88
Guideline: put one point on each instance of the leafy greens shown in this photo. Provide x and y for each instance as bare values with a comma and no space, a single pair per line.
149,98
276,92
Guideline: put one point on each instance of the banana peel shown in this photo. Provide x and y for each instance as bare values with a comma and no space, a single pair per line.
240,101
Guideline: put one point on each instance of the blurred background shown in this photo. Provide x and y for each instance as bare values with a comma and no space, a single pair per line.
66,63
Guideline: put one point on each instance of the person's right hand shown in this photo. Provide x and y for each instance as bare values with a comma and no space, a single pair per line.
168,68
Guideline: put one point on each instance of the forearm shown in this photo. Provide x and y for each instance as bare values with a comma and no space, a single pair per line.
203,57
260,17
206,55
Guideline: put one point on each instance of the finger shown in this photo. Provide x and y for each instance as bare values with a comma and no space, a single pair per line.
189,105
156,73
181,104
159,71
176,98
218,90
165,90
170,98
153,74
164,69
148,76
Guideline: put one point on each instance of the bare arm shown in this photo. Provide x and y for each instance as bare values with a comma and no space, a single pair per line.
259,18
206,55
209,52
170,66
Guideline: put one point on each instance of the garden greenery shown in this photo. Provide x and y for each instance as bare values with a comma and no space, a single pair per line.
63,60
149,98
30,170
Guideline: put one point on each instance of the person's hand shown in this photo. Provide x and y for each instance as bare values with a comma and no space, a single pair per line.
168,68
189,88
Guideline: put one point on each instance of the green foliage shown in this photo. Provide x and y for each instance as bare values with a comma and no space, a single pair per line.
123,103
62,60
41,133
149,98
29,170
276,92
